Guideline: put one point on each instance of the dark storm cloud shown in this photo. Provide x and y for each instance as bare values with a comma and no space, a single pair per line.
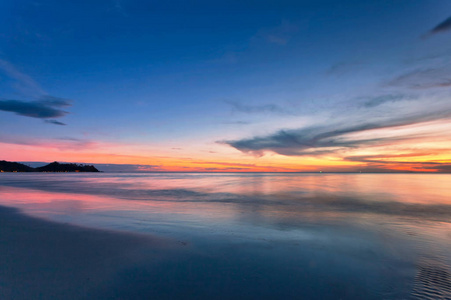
326,139
44,108
246,108
443,26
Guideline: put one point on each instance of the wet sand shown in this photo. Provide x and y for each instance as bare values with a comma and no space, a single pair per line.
234,236
45,260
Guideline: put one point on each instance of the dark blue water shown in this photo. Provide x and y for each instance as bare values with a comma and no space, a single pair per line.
311,236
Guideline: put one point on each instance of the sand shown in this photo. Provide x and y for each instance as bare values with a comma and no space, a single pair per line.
45,260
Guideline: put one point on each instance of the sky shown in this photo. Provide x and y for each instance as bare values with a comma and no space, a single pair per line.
227,86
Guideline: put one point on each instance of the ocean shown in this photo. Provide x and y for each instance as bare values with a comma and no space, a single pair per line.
225,236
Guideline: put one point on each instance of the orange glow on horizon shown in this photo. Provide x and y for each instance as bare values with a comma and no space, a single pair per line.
413,155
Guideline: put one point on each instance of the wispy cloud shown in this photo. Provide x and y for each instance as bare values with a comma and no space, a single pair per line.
389,98
224,164
410,161
445,168
263,108
443,26
236,123
55,122
323,139
280,34
46,108
344,67
424,78
24,83
61,143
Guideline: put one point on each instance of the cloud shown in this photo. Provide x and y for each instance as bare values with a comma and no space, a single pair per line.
381,158
61,143
55,122
424,78
73,143
443,26
55,101
25,83
223,164
342,68
379,100
45,108
281,34
236,123
249,109
317,140
445,168
385,162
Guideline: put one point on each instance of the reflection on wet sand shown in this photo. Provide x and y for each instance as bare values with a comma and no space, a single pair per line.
45,260
267,235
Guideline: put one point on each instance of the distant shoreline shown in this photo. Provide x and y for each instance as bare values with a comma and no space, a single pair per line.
201,172
54,167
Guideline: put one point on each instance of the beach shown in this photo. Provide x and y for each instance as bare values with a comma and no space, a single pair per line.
194,236
45,260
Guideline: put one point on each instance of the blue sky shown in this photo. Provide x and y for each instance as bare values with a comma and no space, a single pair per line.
188,79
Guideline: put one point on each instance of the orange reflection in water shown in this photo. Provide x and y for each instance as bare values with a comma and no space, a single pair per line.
44,204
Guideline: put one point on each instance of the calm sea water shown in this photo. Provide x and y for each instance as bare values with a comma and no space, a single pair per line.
318,236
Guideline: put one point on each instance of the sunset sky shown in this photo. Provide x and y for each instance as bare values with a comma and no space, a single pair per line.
303,86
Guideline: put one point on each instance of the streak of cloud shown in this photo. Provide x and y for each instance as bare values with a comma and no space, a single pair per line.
250,109
45,108
393,162
24,82
380,100
316,140
443,26
55,122
280,34
421,79
236,123
342,68
61,143
224,164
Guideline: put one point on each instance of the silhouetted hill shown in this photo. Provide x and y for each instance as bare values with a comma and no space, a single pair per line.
6,166
57,167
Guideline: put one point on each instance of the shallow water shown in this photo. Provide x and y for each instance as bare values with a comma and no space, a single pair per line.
317,236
